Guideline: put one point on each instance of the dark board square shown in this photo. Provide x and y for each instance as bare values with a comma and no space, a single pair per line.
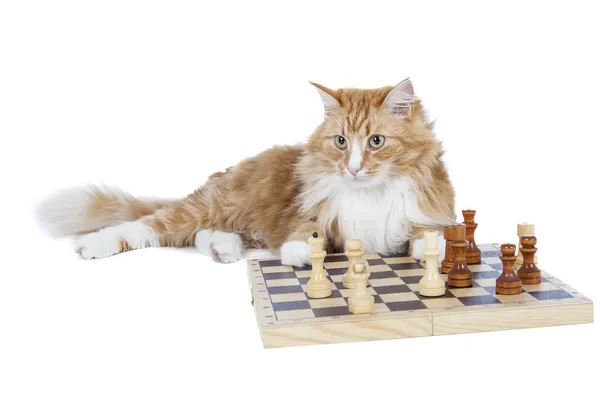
490,254
485,274
411,279
478,300
497,267
334,294
337,271
336,258
383,274
291,305
303,281
490,289
376,261
405,266
305,267
285,289
391,289
551,295
331,311
377,299
406,305
279,275
270,263
339,285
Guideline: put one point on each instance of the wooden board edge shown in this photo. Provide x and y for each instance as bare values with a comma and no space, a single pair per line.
347,331
498,319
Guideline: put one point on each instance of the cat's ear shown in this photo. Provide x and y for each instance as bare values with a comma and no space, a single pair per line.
329,99
401,99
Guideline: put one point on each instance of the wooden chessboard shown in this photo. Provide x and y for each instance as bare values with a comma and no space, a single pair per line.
287,317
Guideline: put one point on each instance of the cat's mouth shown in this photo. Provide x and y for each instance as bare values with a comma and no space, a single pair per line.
362,181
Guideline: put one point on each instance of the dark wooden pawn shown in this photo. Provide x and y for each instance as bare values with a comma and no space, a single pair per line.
459,275
449,257
529,272
473,254
508,282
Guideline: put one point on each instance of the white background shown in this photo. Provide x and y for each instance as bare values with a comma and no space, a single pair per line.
155,96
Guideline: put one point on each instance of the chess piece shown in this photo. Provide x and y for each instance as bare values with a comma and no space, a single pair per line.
460,275
354,253
318,285
473,254
432,284
529,272
508,282
524,229
361,302
449,257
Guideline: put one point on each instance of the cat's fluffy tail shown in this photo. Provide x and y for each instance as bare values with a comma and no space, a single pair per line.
80,210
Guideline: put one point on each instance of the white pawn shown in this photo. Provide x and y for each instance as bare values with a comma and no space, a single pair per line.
432,284
354,253
318,285
361,302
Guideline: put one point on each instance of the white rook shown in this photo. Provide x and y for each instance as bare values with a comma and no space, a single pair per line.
432,284
431,238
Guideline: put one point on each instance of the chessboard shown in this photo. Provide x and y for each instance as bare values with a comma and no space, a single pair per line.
288,317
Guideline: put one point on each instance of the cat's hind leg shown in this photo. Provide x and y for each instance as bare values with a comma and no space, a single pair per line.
224,247
116,239
172,226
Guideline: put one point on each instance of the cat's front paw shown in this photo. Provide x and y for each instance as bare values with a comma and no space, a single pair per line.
226,247
295,253
418,246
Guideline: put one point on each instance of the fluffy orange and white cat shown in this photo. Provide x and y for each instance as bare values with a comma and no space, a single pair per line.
371,171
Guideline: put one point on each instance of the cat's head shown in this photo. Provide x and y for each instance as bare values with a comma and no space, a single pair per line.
370,136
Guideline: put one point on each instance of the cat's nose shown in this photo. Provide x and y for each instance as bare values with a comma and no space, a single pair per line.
352,170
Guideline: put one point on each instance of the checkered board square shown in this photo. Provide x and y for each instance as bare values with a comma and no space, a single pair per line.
283,307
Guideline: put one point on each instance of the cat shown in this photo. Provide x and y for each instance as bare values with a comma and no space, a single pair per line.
372,170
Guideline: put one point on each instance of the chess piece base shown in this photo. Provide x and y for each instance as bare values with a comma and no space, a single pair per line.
446,266
433,291
530,276
363,306
319,290
511,286
475,259
460,283
348,283
532,280
504,290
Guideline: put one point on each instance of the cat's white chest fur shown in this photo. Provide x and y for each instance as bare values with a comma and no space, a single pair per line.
380,216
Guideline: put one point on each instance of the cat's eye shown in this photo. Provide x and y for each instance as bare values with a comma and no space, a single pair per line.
341,142
376,141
